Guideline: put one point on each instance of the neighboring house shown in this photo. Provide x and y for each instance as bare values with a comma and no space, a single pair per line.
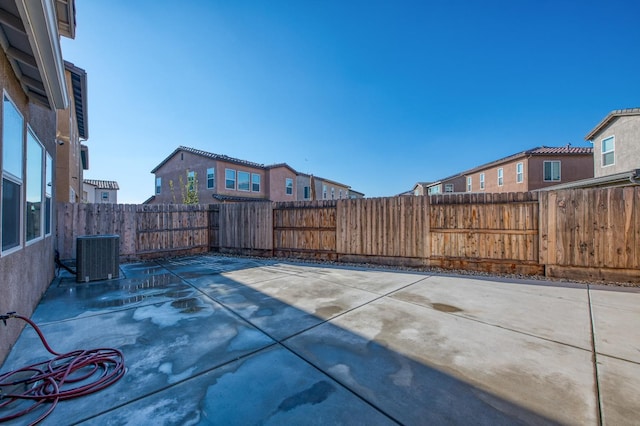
616,143
32,78
317,188
220,178
100,191
355,194
420,188
455,183
531,170
72,157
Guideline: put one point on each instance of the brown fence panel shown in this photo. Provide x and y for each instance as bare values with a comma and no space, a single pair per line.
305,229
488,232
591,234
390,230
170,228
246,228
214,227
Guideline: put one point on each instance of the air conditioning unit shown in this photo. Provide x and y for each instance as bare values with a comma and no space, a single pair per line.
97,257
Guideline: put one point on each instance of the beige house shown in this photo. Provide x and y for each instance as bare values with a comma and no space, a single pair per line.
72,157
100,191
34,87
318,188
616,143
455,183
531,170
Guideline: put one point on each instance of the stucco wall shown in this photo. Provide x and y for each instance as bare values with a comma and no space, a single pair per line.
572,168
627,146
277,182
26,273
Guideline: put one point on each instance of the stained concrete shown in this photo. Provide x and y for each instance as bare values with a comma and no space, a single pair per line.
223,340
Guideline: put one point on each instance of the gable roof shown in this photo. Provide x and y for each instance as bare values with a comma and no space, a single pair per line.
208,155
103,184
609,118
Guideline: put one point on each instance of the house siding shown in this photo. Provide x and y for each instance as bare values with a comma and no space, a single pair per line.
22,287
626,130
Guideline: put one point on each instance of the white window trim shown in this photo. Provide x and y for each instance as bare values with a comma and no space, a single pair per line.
559,171
500,176
481,181
520,174
238,181
613,138
158,187
286,186
16,180
42,195
469,183
235,179
252,183
447,186
213,178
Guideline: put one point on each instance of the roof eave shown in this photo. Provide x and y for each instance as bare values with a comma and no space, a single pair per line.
40,22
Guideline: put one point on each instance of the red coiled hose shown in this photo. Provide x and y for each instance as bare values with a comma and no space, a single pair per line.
65,376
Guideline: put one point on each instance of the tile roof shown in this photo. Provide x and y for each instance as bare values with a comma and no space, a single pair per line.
567,149
612,115
103,184
209,155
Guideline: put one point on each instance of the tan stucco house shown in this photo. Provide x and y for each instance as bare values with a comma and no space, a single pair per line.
100,191
34,88
616,143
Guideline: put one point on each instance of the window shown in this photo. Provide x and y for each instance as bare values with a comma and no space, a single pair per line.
608,151
191,181
211,178
333,193
500,176
255,182
307,192
448,187
12,142
433,190
481,180
243,181
48,191
324,192
469,183
72,195
33,212
230,179
340,194
519,173
551,171
289,186
105,196
158,185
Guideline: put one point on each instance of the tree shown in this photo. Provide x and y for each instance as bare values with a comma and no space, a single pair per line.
188,190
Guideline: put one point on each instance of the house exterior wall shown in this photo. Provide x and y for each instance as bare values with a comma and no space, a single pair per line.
277,184
626,133
22,286
69,172
572,167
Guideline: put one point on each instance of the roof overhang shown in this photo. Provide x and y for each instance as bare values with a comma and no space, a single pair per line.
66,11
628,178
609,118
79,88
84,157
30,38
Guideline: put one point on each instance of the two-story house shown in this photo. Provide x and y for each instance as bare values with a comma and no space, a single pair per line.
317,188
616,143
32,80
219,178
100,191
454,183
531,170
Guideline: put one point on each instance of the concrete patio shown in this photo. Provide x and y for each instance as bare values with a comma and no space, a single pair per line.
224,340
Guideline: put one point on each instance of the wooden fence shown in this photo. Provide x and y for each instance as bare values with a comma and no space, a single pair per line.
581,234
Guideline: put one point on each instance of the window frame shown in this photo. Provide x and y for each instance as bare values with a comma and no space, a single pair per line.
241,182
254,183
544,171
448,188
102,196
324,192
500,176
48,194
40,178
482,181
211,177
12,179
306,192
288,186
612,151
520,172
227,179
469,183
158,185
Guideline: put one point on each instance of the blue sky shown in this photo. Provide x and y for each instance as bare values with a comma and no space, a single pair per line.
375,94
